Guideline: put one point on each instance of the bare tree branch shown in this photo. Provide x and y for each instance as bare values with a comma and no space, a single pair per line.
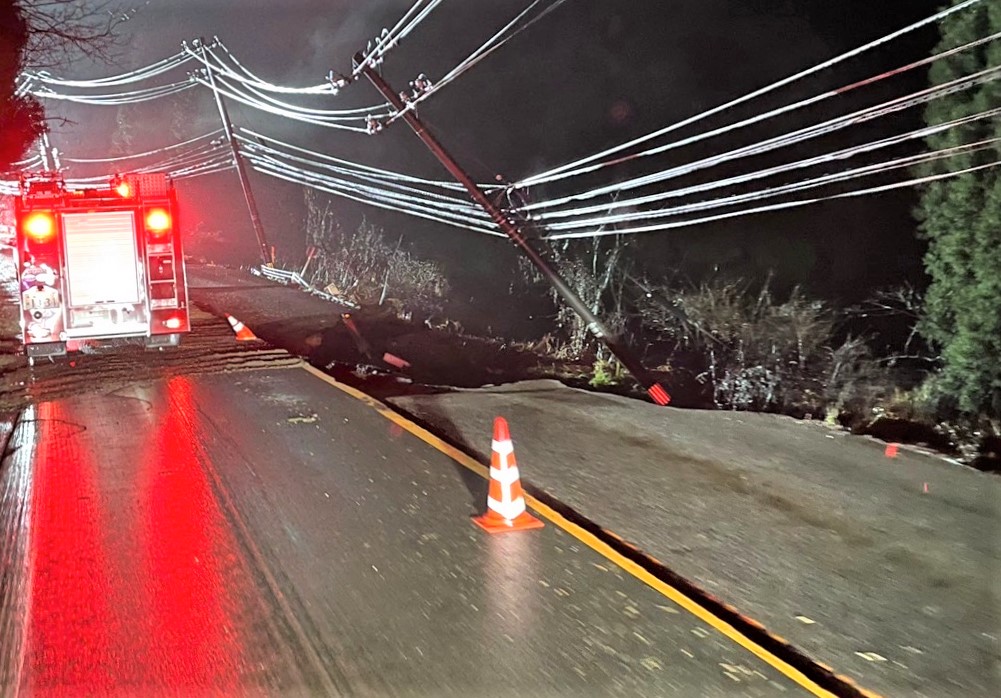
61,31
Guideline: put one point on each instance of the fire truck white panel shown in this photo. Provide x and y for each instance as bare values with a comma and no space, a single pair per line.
101,258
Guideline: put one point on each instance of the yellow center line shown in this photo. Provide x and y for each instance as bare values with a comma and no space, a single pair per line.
597,545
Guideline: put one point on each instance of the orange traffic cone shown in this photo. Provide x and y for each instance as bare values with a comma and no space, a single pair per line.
506,501
243,333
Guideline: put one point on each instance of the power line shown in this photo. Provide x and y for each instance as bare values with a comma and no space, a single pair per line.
581,166
792,107
138,75
824,128
391,38
375,171
447,204
827,158
249,78
359,194
499,39
116,98
775,207
223,73
222,88
149,153
824,180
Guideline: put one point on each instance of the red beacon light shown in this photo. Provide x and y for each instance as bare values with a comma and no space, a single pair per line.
40,227
124,190
158,222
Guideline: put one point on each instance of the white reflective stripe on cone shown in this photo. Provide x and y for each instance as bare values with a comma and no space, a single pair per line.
504,448
505,476
511,510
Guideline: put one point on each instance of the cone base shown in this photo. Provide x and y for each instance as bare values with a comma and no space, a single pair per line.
497,524
250,337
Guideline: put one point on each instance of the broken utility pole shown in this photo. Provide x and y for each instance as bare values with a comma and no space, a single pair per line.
597,328
241,171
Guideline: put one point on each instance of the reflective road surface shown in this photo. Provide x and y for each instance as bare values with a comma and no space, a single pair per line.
263,533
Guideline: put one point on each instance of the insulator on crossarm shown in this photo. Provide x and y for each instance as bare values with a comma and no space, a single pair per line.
337,81
421,85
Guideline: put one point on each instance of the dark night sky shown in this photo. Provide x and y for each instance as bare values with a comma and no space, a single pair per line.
550,96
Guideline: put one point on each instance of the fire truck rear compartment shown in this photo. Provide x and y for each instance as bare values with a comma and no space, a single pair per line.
105,280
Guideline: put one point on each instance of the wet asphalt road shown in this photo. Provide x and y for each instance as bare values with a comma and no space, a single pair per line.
262,533
886,569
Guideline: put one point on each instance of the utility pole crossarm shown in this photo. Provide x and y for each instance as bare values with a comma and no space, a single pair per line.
536,257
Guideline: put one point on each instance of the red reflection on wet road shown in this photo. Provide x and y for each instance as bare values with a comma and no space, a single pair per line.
70,637
185,545
136,579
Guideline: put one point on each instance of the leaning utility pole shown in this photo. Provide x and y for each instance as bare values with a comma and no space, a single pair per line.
241,171
594,324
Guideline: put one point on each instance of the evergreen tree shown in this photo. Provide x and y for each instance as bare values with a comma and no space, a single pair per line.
961,220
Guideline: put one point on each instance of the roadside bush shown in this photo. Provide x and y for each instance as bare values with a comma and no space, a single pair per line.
367,267
758,353
596,270
605,372
919,404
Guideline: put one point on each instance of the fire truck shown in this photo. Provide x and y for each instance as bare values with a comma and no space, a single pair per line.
99,266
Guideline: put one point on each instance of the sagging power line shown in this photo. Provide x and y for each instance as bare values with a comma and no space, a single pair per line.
590,163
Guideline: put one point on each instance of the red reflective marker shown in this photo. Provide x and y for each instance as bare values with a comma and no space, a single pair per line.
658,394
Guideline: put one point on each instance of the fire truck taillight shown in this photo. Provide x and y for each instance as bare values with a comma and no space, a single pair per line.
40,227
173,323
158,222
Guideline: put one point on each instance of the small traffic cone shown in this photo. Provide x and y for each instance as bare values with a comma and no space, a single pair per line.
505,502
243,333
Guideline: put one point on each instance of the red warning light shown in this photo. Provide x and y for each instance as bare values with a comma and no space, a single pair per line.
40,227
158,221
124,190
173,323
